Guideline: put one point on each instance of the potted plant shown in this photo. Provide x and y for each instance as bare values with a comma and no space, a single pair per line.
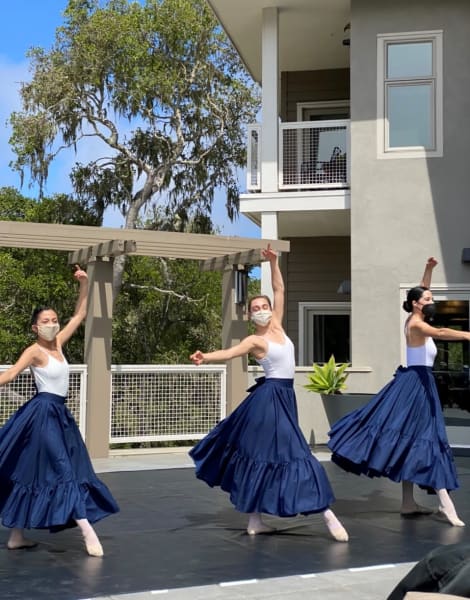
328,379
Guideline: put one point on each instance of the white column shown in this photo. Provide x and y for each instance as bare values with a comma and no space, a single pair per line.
269,230
270,100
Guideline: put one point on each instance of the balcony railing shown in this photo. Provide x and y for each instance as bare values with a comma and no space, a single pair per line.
312,155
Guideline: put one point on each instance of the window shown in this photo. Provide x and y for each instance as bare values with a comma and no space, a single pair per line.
324,329
409,94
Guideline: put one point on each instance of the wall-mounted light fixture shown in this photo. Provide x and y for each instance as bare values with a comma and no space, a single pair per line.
347,40
241,285
344,287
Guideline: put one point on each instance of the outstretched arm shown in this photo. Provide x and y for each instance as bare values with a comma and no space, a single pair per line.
24,361
277,282
252,343
427,275
439,333
80,307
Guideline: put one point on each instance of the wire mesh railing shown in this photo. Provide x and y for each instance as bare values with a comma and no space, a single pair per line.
149,403
157,403
312,155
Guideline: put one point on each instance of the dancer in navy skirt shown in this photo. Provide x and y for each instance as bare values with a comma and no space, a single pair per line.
400,433
46,477
258,454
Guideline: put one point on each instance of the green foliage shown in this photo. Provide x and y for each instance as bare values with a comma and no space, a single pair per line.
160,89
327,378
165,311
31,278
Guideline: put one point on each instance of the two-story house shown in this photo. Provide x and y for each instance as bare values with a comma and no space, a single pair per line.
360,160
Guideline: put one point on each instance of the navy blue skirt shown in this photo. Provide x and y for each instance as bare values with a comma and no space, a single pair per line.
259,455
46,476
399,434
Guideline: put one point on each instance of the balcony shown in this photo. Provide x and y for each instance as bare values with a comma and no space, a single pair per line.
313,155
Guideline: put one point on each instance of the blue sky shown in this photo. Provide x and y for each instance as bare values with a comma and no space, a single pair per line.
28,23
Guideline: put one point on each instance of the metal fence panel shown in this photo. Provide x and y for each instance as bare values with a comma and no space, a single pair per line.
165,402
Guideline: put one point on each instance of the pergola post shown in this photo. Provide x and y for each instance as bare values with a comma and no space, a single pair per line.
98,336
234,329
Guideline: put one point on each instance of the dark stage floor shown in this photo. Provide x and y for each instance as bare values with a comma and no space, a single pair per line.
174,531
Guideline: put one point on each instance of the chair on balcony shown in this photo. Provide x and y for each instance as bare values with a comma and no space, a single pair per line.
329,171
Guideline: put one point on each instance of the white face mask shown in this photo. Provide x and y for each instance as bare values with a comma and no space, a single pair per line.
262,317
48,332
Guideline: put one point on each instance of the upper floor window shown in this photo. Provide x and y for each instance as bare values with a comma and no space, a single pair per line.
409,94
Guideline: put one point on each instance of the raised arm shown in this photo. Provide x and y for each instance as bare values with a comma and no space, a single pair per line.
80,308
427,275
277,283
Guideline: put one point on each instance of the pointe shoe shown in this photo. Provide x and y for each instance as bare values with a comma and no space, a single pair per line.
452,519
94,549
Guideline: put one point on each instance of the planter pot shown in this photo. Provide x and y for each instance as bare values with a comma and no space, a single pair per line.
338,405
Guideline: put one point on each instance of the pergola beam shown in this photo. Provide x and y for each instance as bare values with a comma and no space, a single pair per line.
164,244
111,248
218,263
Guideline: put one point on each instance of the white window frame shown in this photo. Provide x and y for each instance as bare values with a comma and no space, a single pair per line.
436,81
306,311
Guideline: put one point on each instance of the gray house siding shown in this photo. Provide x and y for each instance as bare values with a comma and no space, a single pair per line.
311,86
404,210
315,268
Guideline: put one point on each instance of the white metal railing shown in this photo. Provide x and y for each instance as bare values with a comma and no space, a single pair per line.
152,403
312,155
16,393
149,403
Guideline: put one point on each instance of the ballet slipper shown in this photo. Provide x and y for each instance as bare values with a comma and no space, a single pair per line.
336,529
94,548
22,545
451,518
415,510
260,528
256,525
338,532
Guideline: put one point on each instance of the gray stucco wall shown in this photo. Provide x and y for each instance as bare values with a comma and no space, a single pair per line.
404,210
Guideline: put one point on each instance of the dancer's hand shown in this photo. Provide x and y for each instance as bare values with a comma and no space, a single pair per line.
431,262
197,358
80,274
269,254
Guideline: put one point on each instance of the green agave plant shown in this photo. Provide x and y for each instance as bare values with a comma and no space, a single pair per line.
327,378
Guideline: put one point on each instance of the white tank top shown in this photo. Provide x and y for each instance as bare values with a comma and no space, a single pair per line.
421,355
279,361
54,377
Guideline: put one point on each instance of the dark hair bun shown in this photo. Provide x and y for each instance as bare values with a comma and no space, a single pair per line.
407,306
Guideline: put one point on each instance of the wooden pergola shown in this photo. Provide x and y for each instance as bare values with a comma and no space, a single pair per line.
95,248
